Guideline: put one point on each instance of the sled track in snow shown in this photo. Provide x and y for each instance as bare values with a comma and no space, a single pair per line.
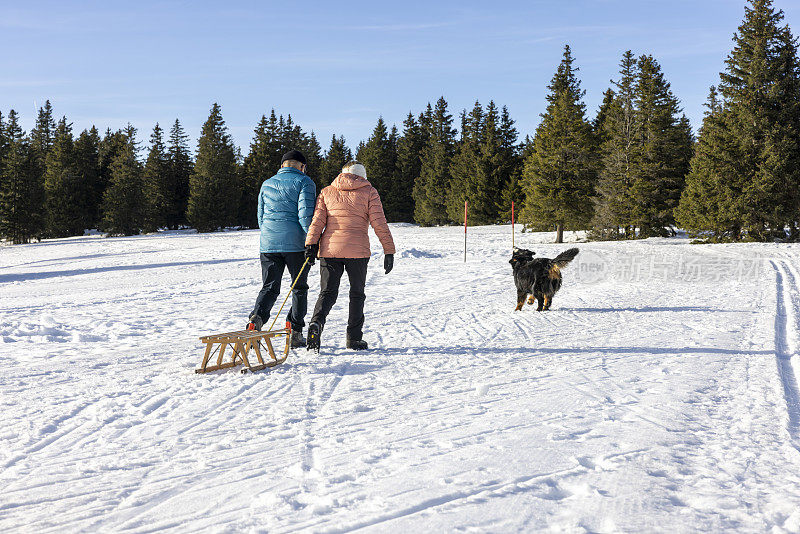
488,490
786,318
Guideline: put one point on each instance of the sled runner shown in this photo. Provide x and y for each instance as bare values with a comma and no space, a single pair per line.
241,342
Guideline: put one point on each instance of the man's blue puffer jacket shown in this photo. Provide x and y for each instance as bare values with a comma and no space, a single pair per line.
285,209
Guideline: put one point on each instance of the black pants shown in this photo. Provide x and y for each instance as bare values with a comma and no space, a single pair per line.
272,265
331,270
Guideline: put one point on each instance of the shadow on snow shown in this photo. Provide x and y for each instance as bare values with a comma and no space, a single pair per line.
21,277
532,351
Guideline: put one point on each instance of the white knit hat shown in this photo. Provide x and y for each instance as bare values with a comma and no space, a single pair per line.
355,167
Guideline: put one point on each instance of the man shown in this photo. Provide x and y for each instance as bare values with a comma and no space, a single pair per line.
338,235
285,210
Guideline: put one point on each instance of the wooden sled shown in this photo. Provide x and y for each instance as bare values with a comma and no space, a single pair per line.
241,342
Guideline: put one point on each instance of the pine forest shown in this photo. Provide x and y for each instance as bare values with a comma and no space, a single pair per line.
634,168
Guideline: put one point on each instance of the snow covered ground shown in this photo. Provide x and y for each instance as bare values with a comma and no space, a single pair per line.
659,395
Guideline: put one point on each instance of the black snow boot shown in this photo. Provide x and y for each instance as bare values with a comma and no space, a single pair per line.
314,333
256,322
297,339
357,344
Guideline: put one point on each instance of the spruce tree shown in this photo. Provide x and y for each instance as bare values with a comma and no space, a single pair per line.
124,203
291,135
3,137
4,144
274,140
431,187
395,195
712,201
746,172
273,137
87,168
65,196
335,158
409,165
485,163
497,162
467,179
157,186
259,165
294,138
214,189
20,201
515,154
379,156
666,143
42,137
312,150
646,146
560,174
511,192
426,121
620,155
112,144
179,170
601,119
510,168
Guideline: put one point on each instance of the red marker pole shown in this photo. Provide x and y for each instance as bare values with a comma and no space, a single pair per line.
512,226
465,231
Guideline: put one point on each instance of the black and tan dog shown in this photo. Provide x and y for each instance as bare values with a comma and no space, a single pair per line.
540,277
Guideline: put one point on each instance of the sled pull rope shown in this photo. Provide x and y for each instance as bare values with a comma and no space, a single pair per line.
289,293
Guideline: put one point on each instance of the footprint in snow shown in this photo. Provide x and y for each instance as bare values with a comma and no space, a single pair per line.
587,462
555,492
578,435
376,457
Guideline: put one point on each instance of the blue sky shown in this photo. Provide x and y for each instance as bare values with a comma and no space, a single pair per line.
337,66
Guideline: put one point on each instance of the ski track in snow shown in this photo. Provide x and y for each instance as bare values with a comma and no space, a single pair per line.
659,394
787,349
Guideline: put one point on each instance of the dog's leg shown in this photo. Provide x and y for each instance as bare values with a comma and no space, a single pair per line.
547,302
531,300
520,300
540,303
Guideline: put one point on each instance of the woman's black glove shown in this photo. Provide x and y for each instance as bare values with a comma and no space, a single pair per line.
388,262
311,253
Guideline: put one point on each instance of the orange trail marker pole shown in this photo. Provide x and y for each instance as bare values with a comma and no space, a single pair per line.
465,231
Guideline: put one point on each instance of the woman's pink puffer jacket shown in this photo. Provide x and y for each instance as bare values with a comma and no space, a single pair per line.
344,211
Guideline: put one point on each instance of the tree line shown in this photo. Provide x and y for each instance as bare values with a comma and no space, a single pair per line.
635,170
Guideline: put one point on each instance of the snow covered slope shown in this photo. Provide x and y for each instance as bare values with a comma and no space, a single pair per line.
659,394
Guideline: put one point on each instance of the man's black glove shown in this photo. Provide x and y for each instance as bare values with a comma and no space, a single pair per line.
388,262
311,253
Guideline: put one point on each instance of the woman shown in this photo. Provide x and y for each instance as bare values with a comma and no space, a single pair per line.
338,236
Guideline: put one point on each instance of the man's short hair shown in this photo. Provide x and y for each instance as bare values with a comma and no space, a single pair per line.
292,163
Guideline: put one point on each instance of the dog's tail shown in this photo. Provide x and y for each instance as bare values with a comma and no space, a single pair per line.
563,259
